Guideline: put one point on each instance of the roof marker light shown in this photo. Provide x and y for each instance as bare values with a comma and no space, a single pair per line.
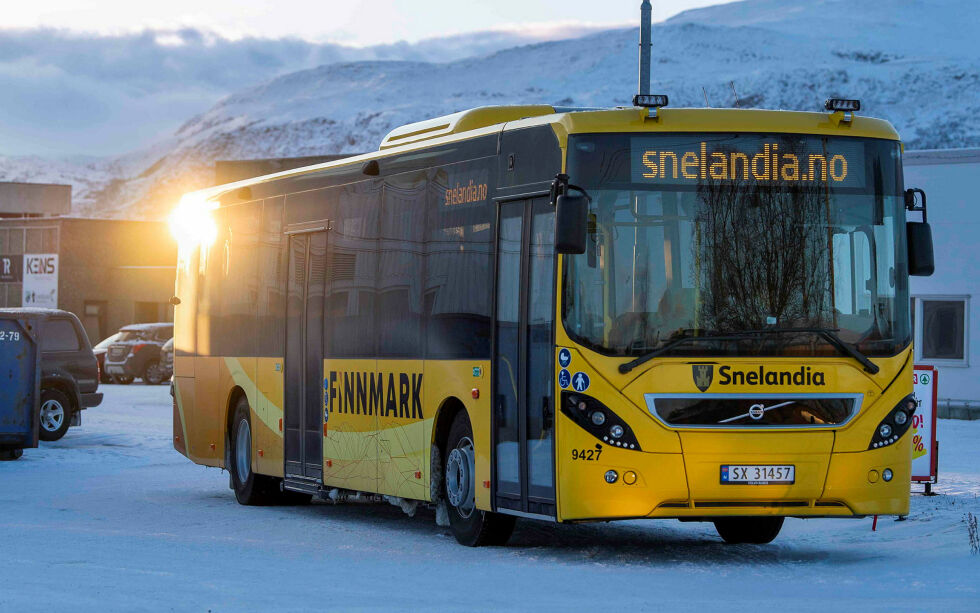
842,104
651,102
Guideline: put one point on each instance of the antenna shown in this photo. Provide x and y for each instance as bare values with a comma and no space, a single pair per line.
705,92
737,105
645,11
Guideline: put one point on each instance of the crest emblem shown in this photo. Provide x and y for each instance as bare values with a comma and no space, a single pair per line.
702,374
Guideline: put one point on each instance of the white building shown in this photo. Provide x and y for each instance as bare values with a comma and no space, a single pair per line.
947,323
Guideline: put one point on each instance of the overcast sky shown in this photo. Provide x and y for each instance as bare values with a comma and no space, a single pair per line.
351,22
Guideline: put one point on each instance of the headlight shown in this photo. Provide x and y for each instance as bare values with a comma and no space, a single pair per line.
598,420
611,476
887,474
894,425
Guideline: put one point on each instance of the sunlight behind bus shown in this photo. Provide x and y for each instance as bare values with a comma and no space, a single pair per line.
191,222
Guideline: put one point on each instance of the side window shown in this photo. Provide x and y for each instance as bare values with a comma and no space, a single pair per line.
459,261
401,265
352,266
944,325
59,335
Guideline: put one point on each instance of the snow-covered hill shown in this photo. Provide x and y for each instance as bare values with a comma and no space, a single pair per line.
913,62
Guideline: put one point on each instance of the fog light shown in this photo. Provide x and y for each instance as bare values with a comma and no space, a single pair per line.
885,430
629,477
901,417
616,431
873,476
611,476
887,474
598,417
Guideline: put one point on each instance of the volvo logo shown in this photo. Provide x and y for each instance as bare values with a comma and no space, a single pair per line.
756,411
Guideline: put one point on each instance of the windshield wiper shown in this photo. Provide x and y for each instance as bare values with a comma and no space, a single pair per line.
828,334
686,338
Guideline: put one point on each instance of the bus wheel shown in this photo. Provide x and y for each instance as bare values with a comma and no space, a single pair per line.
755,530
471,526
250,488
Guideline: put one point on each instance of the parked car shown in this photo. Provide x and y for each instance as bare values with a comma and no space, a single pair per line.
100,351
167,351
136,353
69,370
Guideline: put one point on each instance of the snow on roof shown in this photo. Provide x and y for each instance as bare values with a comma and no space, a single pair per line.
925,157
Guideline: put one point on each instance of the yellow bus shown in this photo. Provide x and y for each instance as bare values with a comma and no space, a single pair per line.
563,314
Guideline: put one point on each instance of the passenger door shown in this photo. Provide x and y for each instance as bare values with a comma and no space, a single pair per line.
523,416
303,411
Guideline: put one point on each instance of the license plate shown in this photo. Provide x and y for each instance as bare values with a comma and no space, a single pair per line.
757,474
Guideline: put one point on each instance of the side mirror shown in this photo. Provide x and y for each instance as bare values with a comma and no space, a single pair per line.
571,223
919,236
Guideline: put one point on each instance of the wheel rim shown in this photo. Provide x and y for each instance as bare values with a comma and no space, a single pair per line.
460,472
243,451
52,415
153,373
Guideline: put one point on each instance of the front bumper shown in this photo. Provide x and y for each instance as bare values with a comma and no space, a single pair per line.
90,400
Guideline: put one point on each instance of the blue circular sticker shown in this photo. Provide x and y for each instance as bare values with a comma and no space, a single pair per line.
564,358
580,382
564,379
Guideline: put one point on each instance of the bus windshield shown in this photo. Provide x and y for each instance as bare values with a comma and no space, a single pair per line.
714,234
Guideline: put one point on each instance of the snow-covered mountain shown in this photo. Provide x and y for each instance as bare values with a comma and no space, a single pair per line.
914,62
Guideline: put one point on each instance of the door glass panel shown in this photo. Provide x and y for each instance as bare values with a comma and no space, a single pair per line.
295,315
507,358
540,407
313,360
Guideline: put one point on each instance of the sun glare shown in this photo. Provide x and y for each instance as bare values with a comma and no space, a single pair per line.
191,222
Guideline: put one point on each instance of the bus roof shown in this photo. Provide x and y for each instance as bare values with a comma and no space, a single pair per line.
486,120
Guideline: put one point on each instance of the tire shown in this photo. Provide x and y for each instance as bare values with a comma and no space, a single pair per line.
55,415
10,454
471,526
754,530
153,373
250,488
122,379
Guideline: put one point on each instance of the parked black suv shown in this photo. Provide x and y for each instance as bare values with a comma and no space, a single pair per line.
136,353
69,370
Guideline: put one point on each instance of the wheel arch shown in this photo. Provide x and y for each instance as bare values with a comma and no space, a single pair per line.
65,385
235,394
445,414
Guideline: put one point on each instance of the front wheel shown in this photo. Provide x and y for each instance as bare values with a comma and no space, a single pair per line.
755,530
153,373
471,526
55,415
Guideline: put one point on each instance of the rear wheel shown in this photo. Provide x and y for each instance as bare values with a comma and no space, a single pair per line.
471,526
153,373
251,488
55,415
755,530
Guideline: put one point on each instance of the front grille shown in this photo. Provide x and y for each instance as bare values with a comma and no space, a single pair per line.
753,410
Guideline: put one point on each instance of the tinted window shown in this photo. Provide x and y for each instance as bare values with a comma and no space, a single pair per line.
458,260
943,328
59,335
400,270
352,265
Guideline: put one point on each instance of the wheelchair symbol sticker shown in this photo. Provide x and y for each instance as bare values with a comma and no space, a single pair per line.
580,382
564,379
564,358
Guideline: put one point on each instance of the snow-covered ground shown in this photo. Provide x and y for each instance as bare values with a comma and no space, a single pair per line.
112,518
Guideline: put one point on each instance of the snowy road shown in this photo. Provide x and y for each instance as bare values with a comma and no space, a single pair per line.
112,518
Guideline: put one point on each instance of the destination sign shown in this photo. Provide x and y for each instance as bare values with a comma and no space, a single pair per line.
747,159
